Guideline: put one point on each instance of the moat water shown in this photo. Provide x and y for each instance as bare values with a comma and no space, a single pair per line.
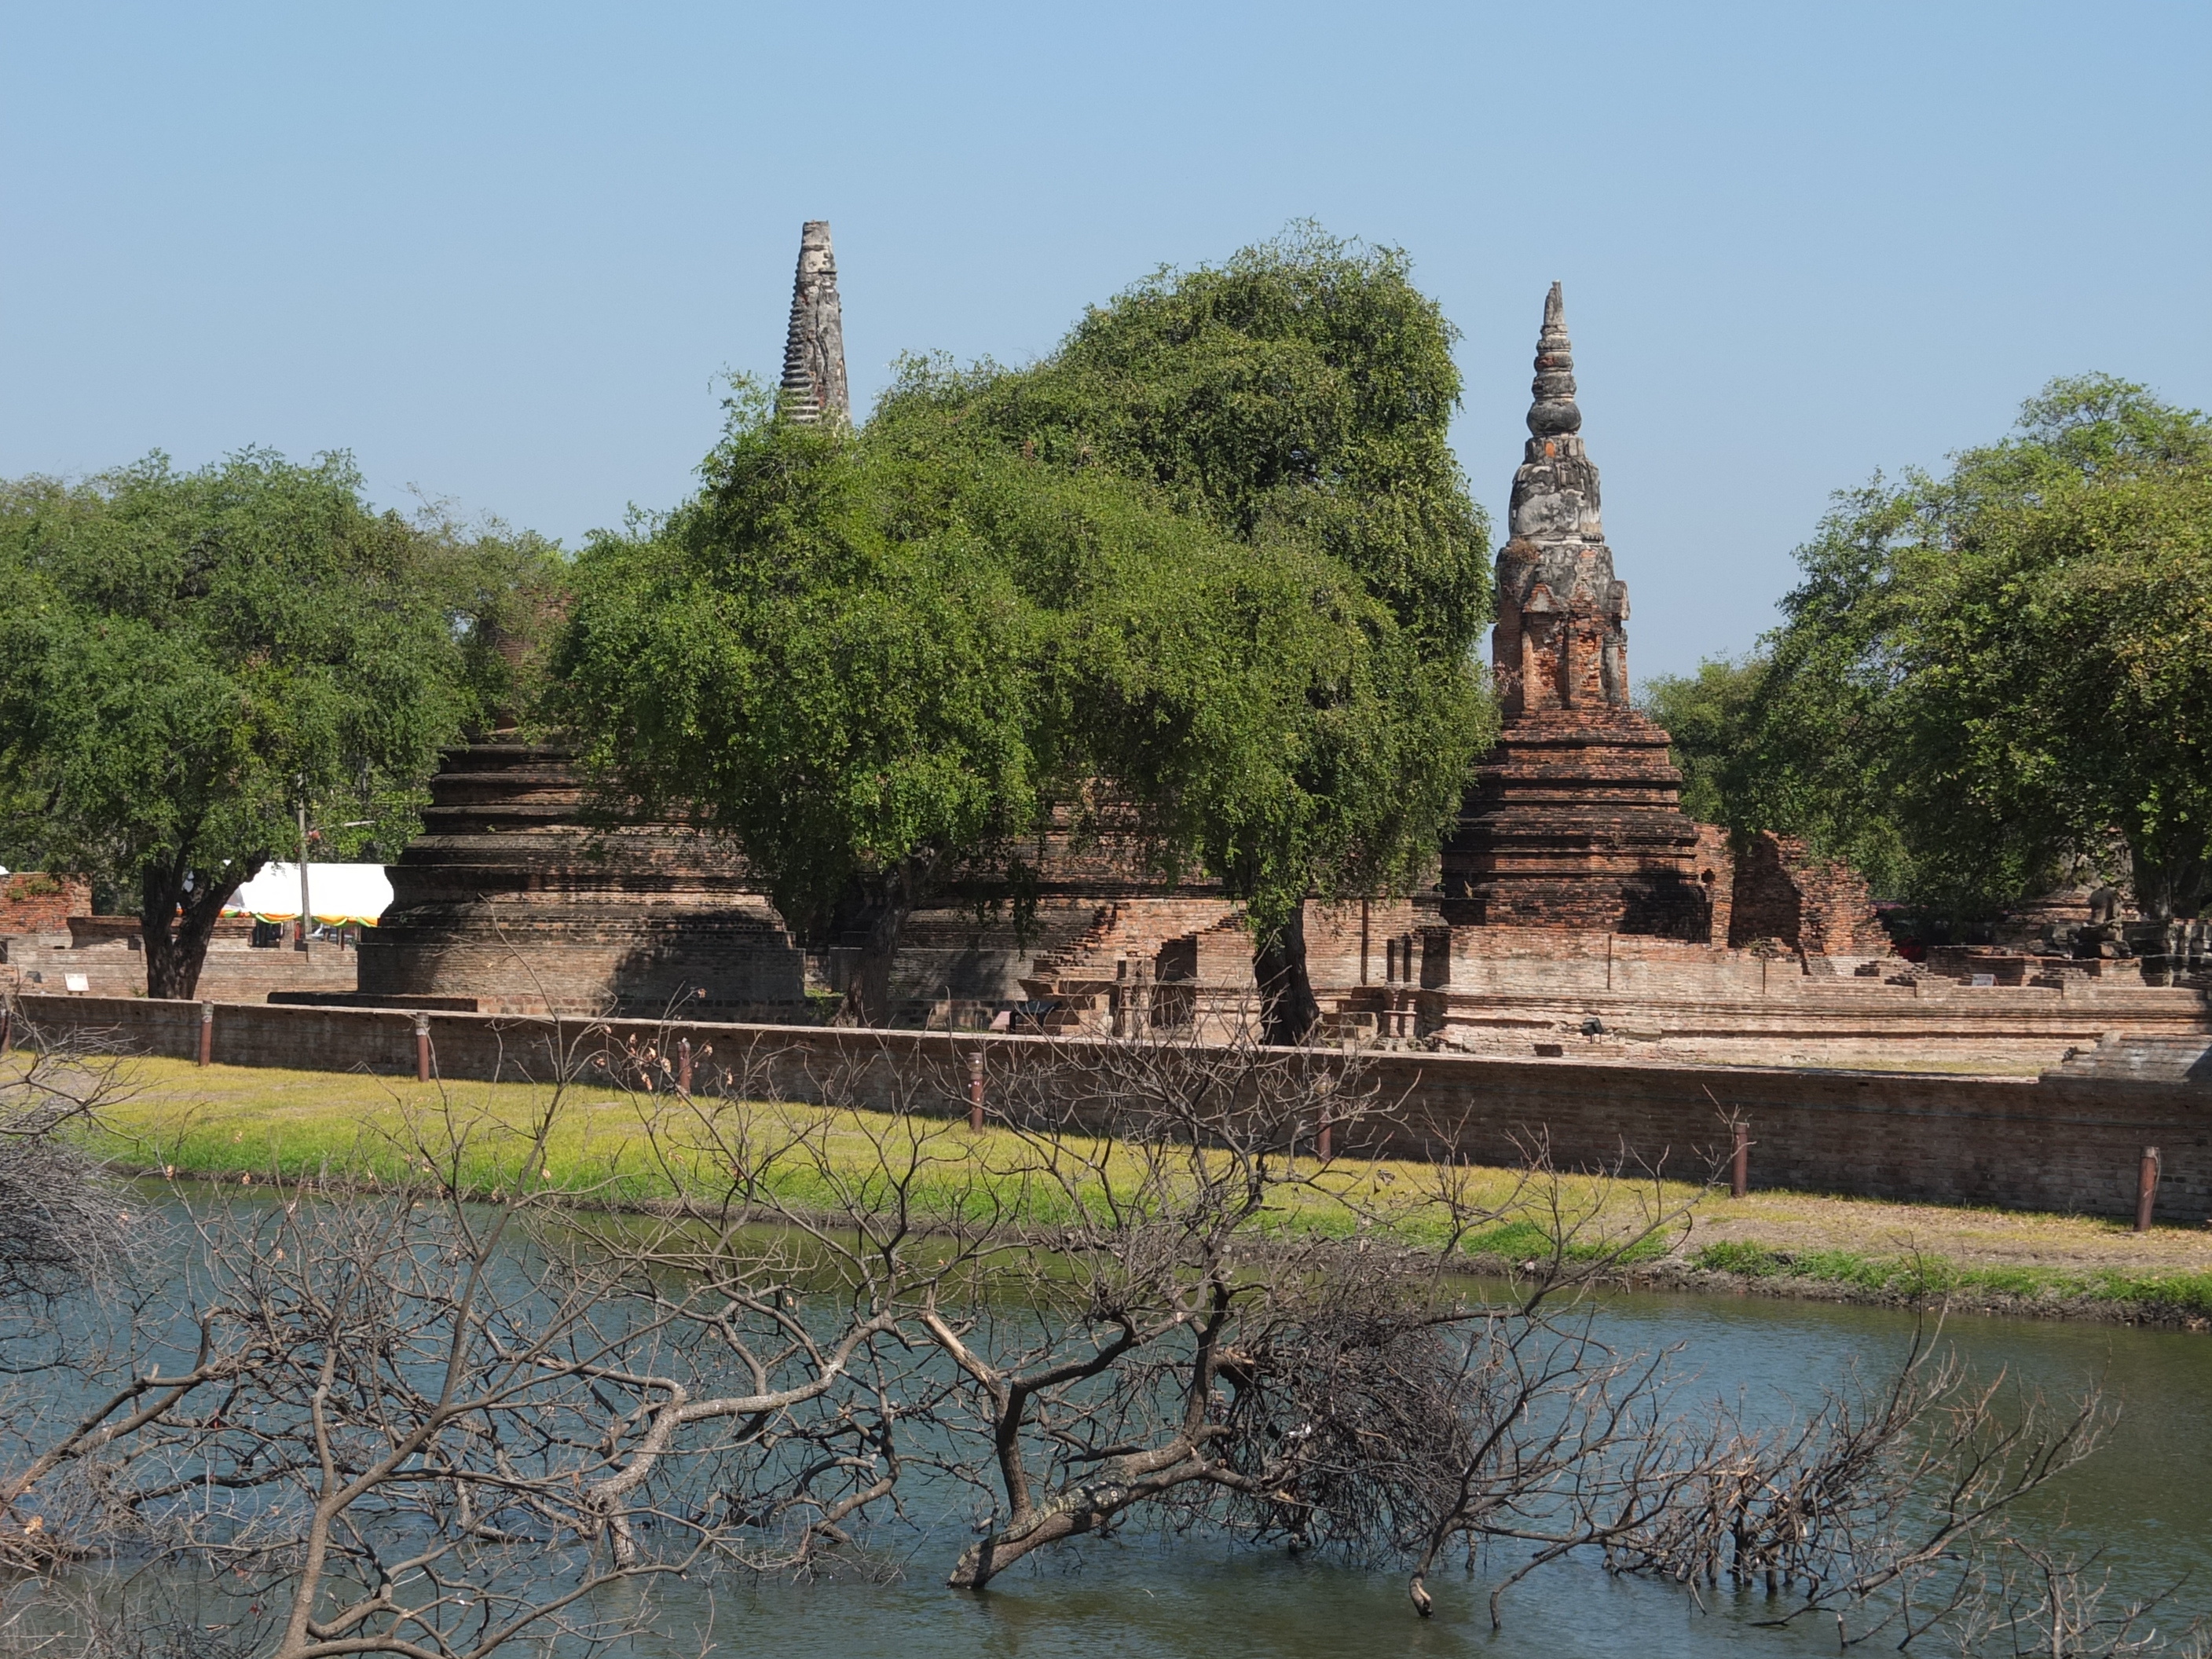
2144,1501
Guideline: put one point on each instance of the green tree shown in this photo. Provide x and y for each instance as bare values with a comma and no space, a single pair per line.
1705,714
879,669
187,657
1209,571
1984,677
1296,399
818,657
2068,652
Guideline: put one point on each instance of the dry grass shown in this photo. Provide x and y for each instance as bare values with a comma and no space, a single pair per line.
261,1123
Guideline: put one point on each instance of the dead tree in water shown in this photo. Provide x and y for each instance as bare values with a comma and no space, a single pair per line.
407,1423
60,1217
459,1412
1215,1323
1881,1510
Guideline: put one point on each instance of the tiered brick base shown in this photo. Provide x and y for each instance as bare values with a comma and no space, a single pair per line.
1575,822
508,898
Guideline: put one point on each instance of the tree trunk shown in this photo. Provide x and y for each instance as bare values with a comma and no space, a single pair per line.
1088,1506
2169,883
175,927
879,917
1288,1012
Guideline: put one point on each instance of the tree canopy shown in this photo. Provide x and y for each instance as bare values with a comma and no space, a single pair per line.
185,658
1299,393
1991,677
1208,569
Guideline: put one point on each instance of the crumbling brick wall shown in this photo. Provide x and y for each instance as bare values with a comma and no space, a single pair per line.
2069,1141
34,902
1818,906
1715,872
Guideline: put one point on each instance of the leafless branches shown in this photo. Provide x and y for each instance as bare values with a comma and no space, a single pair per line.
60,1219
411,1422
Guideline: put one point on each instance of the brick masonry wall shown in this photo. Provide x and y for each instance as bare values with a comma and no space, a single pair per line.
1820,907
34,902
1716,874
2056,1144
1346,945
233,970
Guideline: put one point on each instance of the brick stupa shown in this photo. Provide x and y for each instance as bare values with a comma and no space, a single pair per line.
1574,820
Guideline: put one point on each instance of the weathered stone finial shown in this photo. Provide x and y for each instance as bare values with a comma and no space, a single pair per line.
1555,497
814,351
1554,409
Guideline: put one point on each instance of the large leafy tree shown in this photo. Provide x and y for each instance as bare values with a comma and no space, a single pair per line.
1991,677
879,672
1209,573
2068,653
187,659
818,657
1296,399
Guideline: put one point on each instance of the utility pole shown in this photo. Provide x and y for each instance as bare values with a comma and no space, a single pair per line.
306,919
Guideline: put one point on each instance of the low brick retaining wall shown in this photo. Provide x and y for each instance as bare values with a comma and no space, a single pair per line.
2057,1143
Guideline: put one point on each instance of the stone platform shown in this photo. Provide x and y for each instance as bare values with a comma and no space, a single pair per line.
104,952
511,898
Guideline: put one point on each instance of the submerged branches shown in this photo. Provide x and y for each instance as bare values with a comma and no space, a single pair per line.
408,1421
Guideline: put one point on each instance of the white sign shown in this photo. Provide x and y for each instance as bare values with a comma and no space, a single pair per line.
76,982
1985,978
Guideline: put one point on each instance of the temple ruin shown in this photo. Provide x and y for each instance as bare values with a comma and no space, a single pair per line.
1574,820
1580,913
513,900
1577,912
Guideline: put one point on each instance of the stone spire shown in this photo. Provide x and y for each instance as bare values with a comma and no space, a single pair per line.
814,351
1561,641
1555,497
1575,819
1553,387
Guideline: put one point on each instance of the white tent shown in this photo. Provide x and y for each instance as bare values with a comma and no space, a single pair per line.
336,893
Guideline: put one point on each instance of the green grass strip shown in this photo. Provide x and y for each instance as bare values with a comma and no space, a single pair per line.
1931,1275
256,1125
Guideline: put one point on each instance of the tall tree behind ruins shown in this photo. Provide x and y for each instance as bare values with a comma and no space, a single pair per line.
1296,398
1209,572
1990,677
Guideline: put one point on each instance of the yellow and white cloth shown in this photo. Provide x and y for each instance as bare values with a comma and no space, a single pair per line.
337,894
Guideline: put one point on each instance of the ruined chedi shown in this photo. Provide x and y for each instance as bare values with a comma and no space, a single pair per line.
513,898
814,349
1575,818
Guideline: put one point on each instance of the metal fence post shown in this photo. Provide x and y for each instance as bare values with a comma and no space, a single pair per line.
207,1032
1740,1175
2146,1189
422,1048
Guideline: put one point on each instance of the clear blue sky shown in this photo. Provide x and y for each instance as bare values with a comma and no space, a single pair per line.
501,253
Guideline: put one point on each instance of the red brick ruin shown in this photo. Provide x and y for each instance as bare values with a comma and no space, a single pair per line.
1574,820
1579,912
34,902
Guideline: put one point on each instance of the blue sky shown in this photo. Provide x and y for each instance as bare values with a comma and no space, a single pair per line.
501,254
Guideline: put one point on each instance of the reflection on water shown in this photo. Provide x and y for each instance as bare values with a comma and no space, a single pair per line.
2145,1501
